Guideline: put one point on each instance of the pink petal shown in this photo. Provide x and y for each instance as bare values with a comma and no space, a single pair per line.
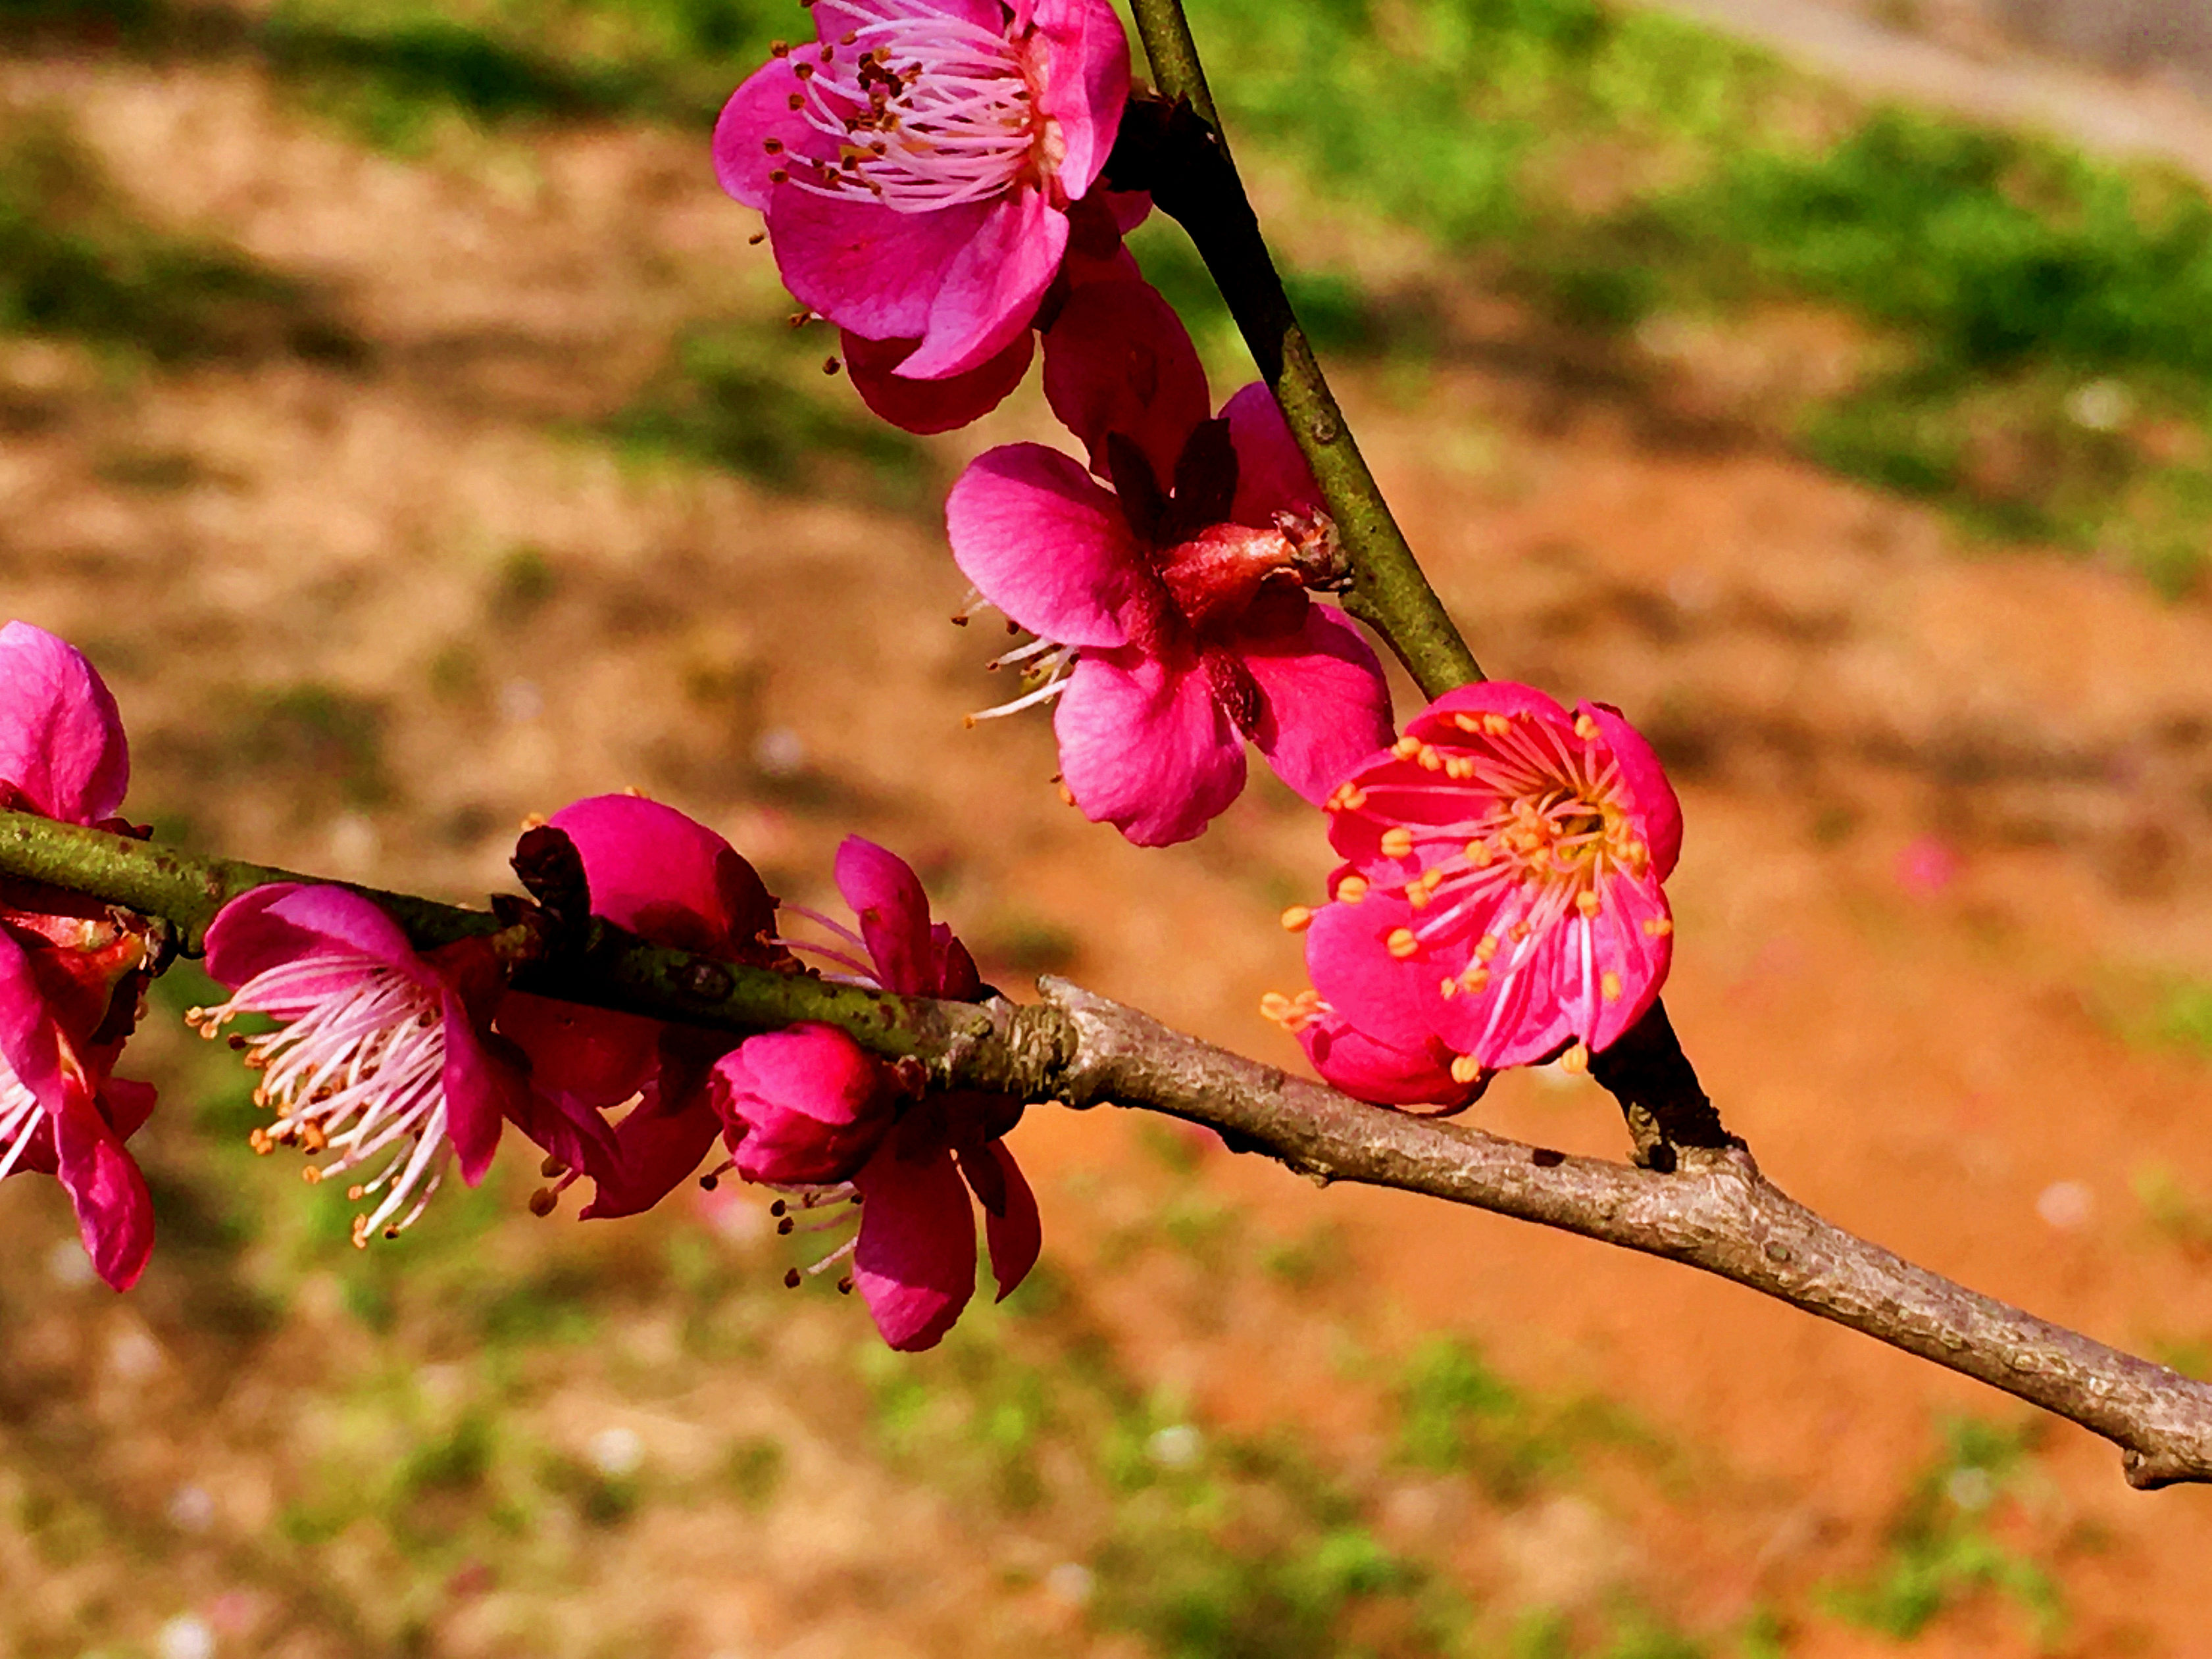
865,267
1393,1001
1628,945
1647,781
656,1145
28,1041
990,286
810,1104
1046,545
927,407
759,111
1370,1070
1086,84
1271,474
1434,724
1328,706
886,895
482,1090
575,1134
286,921
915,1263
595,1057
660,873
114,1211
1118,359
1145,747
61,738
1017,1235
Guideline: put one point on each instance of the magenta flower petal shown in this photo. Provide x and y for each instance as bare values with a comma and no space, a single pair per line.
1087,84
114,1211
30,1048
596,1057
1647,780
759,113
1145,747
810,1103
660,873
271,925
1271,474
61,738
991,288
915,1261
659,1142
886,896
1390,997
865,267
940,405
1045,544
1117,358
1368,1069
1327,705
481,1092
1013,1231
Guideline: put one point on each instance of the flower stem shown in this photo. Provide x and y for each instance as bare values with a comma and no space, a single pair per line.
1192,177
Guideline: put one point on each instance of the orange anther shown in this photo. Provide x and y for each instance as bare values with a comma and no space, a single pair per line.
1586,728
1608,985
1431,758
1588,902
1397,841
1478,855
1401,943
1405,748
1576,1059
1465,1068
1352,889
1496,726
1297,919
1486,947
1658,927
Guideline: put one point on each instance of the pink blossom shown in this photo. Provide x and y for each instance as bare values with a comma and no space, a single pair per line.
673,881
380,1055
71,971
1423,1072
809,1111
1502,889
916,164
1171,611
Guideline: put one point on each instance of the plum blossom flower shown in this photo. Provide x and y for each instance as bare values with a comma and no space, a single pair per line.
1172,613
671,880
71,971
916,162
380,1055
809,1111
1502,891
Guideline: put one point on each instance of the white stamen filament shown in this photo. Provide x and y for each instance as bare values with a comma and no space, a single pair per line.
928,111
20,1113
1047,674
356,1068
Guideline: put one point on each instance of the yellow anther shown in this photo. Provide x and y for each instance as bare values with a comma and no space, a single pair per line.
1448,989
1297,919
1658,927
1518,931
1588,902
313,1138
1432,877
1466,1069
1401,943
356,1192
1275,1008
1431,758
533,820
1576,1059
1417,896
1459,767
1476,979
1608,985
312,1176
1638,855
1586,728
1478,855
1405,748
360,1232
1470,724
1486,947
260,1142
1397,841
1496,726
1352,889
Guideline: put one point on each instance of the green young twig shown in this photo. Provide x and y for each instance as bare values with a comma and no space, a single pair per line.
1388,590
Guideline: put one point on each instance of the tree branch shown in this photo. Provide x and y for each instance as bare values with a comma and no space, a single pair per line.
1715,1211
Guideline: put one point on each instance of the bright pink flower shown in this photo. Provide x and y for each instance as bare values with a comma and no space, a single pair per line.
1425,1073
809,1111
1502,893
71,972
381,1054
916,165
671,880
1172,619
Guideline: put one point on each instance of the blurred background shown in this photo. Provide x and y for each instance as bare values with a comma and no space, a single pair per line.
393,409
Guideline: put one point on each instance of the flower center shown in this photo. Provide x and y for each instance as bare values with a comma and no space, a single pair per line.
928,111
356,1069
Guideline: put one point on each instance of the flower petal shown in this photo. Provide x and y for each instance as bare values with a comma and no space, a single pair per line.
61,738
927,407
1045,544
1118,359
990,286
886,896
1647,781
114,1211
810,1103
273,925
661,1142
1326,708
1144,746
1391,999
658,872
759,111
1366,1068
915,1262
1086,84
594,1057
1017,1235
1271,474
863,266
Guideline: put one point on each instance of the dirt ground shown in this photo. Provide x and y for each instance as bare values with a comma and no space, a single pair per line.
1947,850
